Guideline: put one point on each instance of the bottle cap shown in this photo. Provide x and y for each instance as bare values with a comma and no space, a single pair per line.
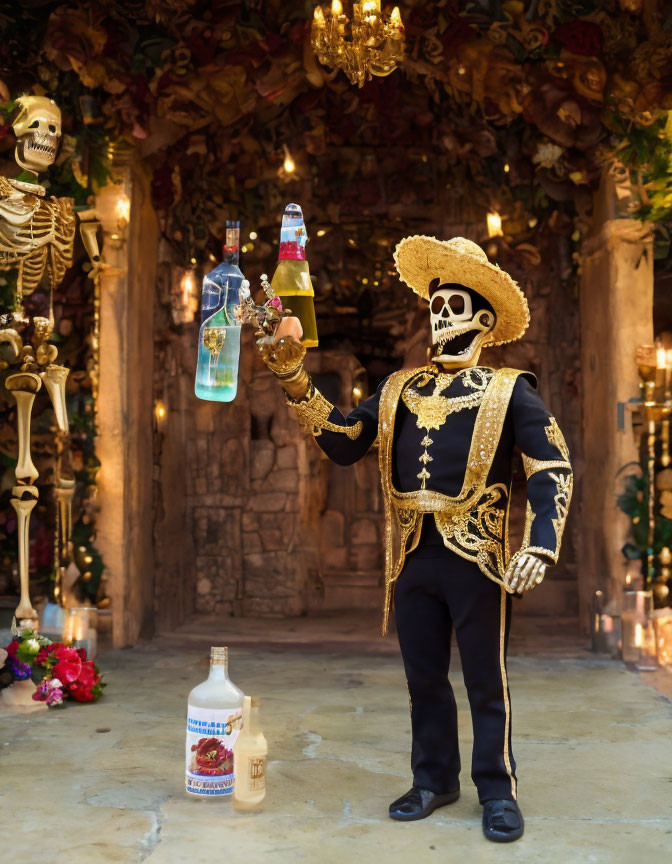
219,656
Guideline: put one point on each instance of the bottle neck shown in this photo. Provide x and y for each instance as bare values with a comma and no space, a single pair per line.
255,724
218,671
231,248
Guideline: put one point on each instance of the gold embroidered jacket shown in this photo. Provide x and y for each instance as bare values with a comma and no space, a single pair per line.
446,443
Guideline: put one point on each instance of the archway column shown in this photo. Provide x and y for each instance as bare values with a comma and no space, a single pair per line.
616,305
124,442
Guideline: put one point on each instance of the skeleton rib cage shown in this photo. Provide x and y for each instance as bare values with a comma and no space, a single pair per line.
40,235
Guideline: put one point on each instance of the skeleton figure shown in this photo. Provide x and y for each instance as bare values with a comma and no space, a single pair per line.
36,242
446,436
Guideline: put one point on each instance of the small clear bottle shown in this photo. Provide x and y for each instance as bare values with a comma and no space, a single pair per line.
250,760
214,721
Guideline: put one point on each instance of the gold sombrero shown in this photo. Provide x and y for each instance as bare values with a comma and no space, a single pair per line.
420,259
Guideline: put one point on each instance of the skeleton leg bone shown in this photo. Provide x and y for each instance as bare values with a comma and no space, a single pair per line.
54,378
23,387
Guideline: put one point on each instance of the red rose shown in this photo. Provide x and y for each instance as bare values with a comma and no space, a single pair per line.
69,664
88,676
580,37
80,693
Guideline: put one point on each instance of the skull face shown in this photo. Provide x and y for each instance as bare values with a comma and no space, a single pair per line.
461,322
38,131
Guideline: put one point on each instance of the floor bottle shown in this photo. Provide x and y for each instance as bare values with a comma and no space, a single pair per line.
214,721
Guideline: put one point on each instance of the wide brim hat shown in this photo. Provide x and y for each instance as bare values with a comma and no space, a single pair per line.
421,259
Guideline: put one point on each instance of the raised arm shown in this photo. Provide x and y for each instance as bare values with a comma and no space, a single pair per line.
549,487
345,440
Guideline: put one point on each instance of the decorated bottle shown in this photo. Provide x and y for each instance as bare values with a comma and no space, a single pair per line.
249,759
214,720
219,336
291,279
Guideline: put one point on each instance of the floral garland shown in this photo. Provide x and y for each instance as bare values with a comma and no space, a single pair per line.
59,671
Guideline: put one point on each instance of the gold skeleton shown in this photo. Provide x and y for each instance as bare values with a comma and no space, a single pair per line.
36,241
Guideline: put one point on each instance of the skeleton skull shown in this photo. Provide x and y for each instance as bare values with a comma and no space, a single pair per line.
461,322
38,131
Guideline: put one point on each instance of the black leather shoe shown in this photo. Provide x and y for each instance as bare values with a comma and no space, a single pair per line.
418,803
502,821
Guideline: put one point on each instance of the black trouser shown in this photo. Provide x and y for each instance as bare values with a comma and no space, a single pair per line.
436,591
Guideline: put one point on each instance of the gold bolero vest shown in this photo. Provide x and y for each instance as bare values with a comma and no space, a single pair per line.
473,524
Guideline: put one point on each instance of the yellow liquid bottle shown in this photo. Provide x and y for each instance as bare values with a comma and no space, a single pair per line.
249,758
291,280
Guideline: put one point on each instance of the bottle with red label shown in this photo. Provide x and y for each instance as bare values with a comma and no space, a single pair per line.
291,280
214,721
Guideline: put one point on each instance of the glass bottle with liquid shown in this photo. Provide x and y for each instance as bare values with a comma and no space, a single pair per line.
214,721
291,279
249,758
219,336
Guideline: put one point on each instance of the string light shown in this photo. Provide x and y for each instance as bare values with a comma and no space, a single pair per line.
289,165
159,410
507,167
253,235
321,232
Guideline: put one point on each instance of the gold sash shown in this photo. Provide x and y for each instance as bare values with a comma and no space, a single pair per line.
471,524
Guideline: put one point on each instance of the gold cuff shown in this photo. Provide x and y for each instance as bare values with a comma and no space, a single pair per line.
313,415
533,466
296,383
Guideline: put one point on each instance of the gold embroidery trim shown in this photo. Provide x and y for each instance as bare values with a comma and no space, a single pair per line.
474,506
313,415
433,409
533,466
564,484
505,687
556,438
562,498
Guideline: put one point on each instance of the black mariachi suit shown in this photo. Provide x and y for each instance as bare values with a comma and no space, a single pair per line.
446,444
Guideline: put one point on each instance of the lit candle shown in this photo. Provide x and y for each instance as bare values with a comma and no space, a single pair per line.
395,17
318,16
661,357
336,7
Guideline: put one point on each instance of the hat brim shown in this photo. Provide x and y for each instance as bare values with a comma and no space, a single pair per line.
420,259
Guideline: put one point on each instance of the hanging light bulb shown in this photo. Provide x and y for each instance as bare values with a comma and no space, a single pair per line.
289,165
494,221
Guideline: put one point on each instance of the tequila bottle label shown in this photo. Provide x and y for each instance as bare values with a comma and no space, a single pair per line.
256,772
211,737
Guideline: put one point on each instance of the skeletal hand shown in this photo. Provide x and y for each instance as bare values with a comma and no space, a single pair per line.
283,355
525,573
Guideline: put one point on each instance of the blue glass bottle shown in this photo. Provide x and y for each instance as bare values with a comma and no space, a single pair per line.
219,336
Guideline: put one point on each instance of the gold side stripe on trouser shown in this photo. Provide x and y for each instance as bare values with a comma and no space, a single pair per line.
505,685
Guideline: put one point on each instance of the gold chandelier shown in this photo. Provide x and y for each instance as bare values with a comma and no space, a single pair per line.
375,45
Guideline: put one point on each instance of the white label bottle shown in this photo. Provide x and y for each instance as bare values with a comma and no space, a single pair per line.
250,760
214,720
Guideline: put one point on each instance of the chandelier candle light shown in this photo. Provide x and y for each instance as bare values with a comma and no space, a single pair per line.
375,45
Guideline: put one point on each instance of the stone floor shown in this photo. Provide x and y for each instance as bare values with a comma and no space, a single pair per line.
103,782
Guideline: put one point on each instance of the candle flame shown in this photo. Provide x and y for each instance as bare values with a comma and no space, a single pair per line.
661,358
336,7
395,17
